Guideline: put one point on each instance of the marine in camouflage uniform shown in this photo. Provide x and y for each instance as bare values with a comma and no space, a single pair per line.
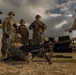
14,50
72,28
38,30
8,34
23,30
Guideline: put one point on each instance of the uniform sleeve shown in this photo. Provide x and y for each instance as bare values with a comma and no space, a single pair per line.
0,21
27,32
5,27
15,26
73,27
44,26
31,26
18,31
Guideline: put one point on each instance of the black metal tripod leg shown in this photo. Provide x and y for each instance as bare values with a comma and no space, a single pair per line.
47,57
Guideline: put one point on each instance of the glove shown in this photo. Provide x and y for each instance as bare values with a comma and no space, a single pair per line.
40,26
34,26
43,26
14,25
7,36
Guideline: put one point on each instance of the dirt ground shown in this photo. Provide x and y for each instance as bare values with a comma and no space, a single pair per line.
62,64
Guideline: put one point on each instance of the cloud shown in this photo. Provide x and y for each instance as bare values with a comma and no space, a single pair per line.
57,26
1,1
55,15
61,17
67,7
69,15
27,7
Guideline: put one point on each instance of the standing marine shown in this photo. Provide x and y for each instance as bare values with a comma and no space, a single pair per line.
38,28
23,30
9,31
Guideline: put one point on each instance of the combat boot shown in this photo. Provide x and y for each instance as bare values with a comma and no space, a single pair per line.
4,56
29,57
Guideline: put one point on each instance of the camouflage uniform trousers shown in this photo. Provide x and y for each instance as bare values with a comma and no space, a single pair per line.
6,43
16,52
24,39
37,39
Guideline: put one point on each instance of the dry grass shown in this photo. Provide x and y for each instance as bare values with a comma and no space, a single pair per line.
60,66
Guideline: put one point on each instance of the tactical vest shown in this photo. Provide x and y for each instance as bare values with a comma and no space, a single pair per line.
37,27
22,30
10,26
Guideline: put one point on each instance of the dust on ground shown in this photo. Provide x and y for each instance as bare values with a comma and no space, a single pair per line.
39,66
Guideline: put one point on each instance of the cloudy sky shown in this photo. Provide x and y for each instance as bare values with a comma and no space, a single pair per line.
56,14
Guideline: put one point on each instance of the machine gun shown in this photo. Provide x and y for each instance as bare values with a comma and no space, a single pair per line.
37,48
34,49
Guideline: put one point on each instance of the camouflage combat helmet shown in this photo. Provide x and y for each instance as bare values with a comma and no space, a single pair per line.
22,20
11,13
37,16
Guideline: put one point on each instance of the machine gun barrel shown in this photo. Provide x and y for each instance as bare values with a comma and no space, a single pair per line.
35,47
